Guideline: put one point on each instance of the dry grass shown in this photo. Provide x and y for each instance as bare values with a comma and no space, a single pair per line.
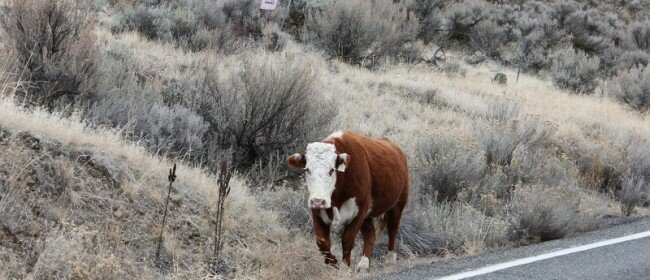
268,232
254,235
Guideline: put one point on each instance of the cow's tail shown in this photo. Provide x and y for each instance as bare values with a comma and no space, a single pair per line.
380,227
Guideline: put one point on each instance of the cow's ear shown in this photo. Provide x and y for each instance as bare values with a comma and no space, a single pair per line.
297,161
342,162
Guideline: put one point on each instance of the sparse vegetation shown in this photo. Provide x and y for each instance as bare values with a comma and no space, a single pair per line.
89,126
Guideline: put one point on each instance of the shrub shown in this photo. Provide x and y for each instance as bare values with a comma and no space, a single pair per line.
454,227
53,46
445,167
429,14
640,35
536,164
631,59
197,24
544,212
536,39
635,182
264,106
174,132
575,71
358,31
150,22
128,102
562,10
461,18
501,131
583,28
488,38
633,88
632,193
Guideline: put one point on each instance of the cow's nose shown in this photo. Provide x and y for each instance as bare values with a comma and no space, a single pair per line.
317,202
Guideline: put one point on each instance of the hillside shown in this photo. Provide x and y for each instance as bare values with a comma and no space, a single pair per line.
89,130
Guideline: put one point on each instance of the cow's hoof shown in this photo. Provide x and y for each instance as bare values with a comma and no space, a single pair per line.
331,261
391,258
363,265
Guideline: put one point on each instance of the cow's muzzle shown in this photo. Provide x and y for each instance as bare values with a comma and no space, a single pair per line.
318,203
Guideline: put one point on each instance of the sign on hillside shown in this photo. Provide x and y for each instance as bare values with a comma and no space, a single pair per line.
269,5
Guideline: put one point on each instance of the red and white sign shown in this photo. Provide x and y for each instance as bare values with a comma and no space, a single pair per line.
269,5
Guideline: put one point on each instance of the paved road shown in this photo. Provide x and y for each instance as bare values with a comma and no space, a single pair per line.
617,252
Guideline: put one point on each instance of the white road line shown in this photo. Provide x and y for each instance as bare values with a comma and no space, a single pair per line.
505,265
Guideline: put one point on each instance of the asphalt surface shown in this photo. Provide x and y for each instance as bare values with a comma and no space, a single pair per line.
624,260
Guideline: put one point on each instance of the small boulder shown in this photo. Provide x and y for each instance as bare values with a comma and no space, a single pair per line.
500,78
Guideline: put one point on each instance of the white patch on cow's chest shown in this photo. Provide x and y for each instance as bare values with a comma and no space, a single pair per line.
326,219
344,215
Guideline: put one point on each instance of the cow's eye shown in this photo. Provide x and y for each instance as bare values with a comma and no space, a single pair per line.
307,171
331,171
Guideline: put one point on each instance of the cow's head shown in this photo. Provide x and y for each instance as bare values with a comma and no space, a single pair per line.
320,162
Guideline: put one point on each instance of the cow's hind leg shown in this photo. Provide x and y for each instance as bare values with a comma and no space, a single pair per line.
368,233
393,218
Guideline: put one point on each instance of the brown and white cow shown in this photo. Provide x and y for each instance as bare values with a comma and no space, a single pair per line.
353,179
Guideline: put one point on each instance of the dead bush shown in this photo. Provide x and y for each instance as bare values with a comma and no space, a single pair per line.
53,47
360,32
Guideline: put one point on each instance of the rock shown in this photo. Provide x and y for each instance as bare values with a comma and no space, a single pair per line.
500,78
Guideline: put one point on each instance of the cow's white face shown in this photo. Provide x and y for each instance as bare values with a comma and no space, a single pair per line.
320,162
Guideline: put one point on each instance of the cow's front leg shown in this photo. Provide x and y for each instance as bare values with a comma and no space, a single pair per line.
368,233
349,235
322,231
